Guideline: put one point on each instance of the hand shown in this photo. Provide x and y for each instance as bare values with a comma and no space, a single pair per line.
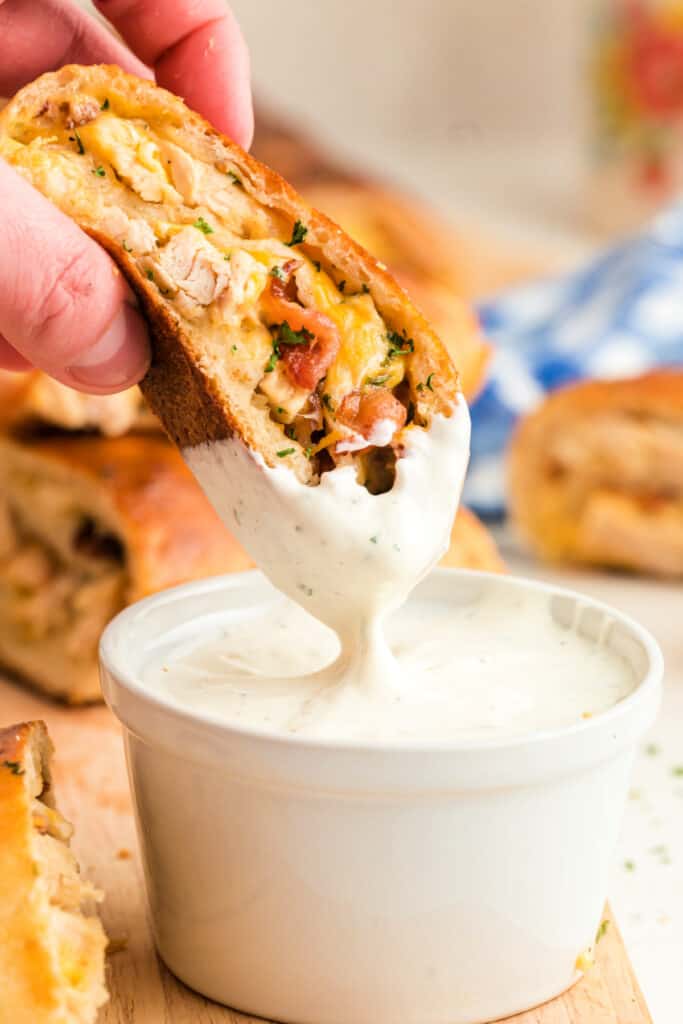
64,306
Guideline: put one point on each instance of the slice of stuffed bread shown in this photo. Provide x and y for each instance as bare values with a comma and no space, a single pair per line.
52,944
267,320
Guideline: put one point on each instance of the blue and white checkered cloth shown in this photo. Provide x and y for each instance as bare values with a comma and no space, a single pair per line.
617,317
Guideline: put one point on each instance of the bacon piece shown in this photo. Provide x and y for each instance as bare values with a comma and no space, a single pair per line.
306,364
375,416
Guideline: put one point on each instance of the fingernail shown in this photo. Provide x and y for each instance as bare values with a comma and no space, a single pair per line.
118,359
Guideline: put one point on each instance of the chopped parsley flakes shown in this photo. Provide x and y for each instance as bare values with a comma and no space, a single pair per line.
273,358
234,178
99,171
14,767
299,232
426,384
284,452
79,142
150,275
377,382
126,247
104,105
286,336
202,226
602,928
277,272
327,402
399,346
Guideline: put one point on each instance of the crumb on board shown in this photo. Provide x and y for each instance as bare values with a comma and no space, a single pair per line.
123,854
585,960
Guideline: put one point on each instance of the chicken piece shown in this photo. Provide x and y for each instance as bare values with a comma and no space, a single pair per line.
191,264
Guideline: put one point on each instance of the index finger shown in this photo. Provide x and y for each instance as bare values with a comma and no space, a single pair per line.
197,50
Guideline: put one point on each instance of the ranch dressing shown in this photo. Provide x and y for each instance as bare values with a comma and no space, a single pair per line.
337,653
346,556
496,664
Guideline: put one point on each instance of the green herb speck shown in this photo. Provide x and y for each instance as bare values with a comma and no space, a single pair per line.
284,452
299,232
79,142
399,346
377,382
373,540
677,771
652,750
104,105
272,361
14,767
629,865
602,928
327,402
287,336
236,180
150,275
99,171
277,272
233,348
203,226
126,247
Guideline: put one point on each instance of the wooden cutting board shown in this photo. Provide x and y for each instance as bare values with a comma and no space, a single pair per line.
92,791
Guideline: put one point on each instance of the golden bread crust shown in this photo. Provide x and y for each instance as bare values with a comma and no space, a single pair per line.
472,546
33,398
168,527
596,474
178,386
35,985
54,599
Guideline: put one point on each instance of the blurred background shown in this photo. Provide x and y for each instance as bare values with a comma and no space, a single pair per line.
443,97
518,166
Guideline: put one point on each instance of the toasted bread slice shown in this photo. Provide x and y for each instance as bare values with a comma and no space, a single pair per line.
471,545
52,945
34,398
268,322
88,525
596,474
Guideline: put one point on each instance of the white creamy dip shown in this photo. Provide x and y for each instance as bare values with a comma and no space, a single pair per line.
347,556
342,659
498,665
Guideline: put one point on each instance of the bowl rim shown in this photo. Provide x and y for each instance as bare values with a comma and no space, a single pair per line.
646,691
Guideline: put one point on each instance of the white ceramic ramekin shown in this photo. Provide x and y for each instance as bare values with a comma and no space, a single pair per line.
321,882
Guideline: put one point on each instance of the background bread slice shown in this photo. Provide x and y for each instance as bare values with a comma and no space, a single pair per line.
91,524
34,398
51,954
596,474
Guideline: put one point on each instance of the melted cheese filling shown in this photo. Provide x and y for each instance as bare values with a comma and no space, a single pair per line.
210,249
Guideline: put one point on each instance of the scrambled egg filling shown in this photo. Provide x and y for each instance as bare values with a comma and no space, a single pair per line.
314,350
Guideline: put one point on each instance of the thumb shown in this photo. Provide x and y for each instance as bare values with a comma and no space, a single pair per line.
64,305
